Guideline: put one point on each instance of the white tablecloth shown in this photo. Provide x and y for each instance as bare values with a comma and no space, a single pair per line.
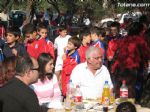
139,109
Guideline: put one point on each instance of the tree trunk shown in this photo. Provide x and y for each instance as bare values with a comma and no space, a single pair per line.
105,4
28,10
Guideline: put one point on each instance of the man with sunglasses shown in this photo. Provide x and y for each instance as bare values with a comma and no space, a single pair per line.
91,75
16,96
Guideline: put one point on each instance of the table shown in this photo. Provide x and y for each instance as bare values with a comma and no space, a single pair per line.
138,107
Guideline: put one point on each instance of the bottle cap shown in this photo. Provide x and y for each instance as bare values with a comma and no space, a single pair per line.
106,82
124,81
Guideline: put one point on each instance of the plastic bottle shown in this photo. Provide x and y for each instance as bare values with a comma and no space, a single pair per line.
69,96
71,86
112,96
78,98
106,94
68,88
123,91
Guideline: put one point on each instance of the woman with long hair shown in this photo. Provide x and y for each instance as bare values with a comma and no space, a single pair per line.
47,88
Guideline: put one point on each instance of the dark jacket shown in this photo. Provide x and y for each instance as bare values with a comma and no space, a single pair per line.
15,96
7,51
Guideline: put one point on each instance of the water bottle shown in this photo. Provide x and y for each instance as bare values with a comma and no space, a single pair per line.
106,94
69,97
123,91
78,98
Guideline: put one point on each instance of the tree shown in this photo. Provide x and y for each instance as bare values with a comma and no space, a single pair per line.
55,4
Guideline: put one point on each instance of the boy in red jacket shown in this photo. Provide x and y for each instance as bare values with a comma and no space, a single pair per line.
86,40
31,41
48,47
70,60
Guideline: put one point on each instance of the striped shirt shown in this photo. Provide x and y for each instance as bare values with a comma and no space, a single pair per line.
47,91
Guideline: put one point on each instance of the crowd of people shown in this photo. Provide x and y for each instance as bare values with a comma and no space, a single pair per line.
34,71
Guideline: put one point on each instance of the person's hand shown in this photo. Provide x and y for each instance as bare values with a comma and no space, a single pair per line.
59,82
14,51
64,56
65,49
35,62
26,40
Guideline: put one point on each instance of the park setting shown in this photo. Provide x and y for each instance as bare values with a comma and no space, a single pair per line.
74,56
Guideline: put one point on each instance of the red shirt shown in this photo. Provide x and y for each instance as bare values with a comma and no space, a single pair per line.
82,53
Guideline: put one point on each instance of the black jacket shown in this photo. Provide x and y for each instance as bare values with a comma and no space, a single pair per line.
7,51
15,96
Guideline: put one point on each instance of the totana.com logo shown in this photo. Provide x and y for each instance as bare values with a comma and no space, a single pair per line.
133,4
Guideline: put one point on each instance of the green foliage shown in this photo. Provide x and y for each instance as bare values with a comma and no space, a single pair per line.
93,8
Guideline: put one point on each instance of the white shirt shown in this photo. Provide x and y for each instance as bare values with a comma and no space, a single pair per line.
91,85
4,17
60,43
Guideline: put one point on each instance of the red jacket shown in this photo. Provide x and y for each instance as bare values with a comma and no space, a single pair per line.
32,49
68,64
131,52
39,46
48,47
82,53
112,47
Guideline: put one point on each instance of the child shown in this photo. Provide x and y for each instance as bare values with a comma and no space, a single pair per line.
59,44
43,33
31,41
96,41
86,39
12,46
30,33
70,59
